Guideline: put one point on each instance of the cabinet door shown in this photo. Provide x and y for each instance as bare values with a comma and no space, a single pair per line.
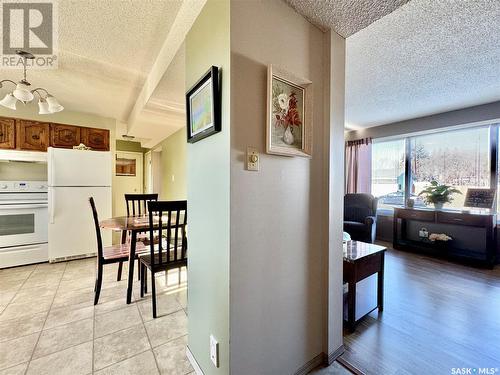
65,136
33,135
96,139
7,133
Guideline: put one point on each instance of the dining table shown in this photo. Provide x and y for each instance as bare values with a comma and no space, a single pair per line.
135,225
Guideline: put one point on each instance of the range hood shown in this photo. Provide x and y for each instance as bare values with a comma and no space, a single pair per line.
25,156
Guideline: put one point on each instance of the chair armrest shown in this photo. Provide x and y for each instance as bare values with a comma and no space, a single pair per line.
370,220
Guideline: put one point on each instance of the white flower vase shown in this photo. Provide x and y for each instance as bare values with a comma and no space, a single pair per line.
288,136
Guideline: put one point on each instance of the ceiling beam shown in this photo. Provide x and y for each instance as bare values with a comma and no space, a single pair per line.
188,12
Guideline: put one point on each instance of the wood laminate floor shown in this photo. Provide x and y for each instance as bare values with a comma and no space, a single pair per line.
438,316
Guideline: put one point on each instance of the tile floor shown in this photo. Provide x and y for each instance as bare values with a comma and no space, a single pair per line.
49,325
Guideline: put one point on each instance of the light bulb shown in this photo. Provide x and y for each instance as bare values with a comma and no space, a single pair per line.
43,107
23,93
9,101
54,105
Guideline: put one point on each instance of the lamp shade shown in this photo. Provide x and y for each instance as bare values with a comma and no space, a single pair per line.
9,101
23,93
43,107
54,105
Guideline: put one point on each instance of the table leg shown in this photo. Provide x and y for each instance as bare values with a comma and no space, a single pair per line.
380,288
351,305
131,261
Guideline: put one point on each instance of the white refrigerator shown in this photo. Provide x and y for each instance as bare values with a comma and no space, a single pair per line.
73,177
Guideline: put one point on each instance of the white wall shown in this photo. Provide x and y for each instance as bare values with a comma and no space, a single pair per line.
279,215
480,113
334,149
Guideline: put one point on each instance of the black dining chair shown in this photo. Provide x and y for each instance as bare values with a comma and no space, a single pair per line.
170,220
109,254
137,204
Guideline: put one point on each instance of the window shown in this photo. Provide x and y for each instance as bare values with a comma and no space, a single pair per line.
388,172
125,167
458,158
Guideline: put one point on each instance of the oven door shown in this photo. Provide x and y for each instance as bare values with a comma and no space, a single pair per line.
23,224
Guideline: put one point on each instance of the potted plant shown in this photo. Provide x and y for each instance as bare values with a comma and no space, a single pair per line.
438,194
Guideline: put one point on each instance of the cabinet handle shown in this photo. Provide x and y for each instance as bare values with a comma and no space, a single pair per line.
35,136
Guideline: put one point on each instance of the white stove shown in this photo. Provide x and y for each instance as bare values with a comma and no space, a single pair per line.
23,222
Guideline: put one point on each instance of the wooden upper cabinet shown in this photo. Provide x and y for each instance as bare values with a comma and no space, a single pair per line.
65,136
7,133
32,135
96,139
37,136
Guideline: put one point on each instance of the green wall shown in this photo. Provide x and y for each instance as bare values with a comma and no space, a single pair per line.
173,163
130,146
208,177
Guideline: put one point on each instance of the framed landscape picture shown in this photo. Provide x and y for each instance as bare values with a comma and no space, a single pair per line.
203,107
289,114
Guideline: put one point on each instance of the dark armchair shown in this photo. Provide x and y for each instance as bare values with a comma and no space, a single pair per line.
360,216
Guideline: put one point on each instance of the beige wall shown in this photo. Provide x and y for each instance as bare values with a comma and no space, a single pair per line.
278,227
13,171
173,166
208,196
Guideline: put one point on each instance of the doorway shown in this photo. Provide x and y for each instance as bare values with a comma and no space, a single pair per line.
128,178
152,174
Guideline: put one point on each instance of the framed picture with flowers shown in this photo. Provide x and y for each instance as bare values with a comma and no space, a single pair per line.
289,114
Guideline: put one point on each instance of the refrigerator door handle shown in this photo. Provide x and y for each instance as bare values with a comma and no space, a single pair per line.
50,167
51,205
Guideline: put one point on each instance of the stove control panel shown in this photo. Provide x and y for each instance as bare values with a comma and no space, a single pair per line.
23,186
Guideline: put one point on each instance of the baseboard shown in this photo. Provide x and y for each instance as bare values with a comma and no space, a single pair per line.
332,357
305,369
193,362
350,366
72,257
320,359
309,366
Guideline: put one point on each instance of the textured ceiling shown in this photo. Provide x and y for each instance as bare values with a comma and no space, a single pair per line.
346,17
424,58
106,50
164,113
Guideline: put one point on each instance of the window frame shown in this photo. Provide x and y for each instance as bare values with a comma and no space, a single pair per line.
494,129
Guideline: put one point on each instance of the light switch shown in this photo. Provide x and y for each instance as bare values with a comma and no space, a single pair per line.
214,351
253,159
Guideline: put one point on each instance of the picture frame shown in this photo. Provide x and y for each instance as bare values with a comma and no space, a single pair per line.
203,108
480,198
289,125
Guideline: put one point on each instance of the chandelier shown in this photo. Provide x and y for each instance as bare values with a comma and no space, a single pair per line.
47,104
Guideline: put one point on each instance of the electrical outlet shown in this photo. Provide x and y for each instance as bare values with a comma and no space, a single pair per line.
214,351
253,159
